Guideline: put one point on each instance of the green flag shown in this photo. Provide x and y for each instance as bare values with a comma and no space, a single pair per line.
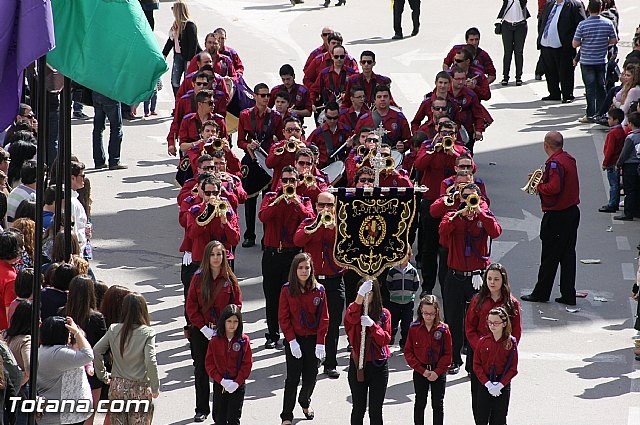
107,46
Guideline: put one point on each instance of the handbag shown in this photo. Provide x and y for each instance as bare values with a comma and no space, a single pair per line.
498,28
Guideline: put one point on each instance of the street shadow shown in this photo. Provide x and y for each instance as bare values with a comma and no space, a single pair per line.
142,122
611,364
269,7
373,40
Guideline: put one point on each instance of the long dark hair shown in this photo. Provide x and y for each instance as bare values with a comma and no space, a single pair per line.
506,331
295,285
505,290
208,291
135,315
375,305
81,301
229,311
20,320
111,306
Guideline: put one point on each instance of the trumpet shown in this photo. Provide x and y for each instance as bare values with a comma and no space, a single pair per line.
221,206
389,164
451,193
288,192
324,219
214,143
532,185
291,146
447,143
361,150
367,154
472,204
309,180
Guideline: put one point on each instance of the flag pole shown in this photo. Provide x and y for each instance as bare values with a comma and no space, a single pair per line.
66,160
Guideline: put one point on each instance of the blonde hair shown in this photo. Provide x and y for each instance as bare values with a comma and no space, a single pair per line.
181,15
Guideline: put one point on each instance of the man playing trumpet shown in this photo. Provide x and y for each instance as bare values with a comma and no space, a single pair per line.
311,184
283,153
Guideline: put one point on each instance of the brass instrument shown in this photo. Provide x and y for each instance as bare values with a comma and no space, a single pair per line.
532,185
367,155
389,164
291,146
447,143
324,219
361,150
288,192
214,143
309,180
472,203
216,207
451,193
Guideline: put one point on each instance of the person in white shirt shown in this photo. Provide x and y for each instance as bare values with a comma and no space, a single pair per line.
79,216
513,16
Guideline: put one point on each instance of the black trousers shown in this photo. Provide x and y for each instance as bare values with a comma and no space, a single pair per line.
334,289
398,8
275,273
458,291
513,37
401,314
558,233
228,406
443,268
475,383
631,185
429,248
198,344
558,67
422,386
250,209
305,367
186,274
375,385
492,410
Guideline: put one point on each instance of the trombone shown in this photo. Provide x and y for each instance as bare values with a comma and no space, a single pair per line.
325,219
472,204
532,184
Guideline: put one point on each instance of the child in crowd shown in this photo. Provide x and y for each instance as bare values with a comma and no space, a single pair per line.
612,147
23,287
402,281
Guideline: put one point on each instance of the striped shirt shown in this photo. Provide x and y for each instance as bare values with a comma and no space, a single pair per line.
593,34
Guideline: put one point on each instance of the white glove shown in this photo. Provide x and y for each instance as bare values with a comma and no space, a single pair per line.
476,280
320,353
207,331
225,384
295,349
365,288
495,389
366,321
232,386
186,258
498,386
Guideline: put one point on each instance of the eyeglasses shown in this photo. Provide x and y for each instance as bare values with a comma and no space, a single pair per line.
424,313
292,129
366,62
324,204
288,179
210,192
339,56
262,94
331,118
325,34
490,323
366,180
459,60
439,108
201,84
209,168
305,163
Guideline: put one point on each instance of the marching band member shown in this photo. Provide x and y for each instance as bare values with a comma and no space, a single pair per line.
300,100
349,117
426,110
204,165
464,163
185,105
231,183
465,233
283,100
367,80
192,124
304,319
450,199
210,143
495,292
323,48
428,353
281,213
393,121
330,85
283,153
471,115
495,364
258,127
213,287
228,363
217,83
438,112
316,237
325,60
377,322
391,177
359,156
311,185
330,136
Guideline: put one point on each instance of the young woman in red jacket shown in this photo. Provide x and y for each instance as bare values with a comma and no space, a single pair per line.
228,363
377,337
495,363
495,292
213,287
304,320
428,352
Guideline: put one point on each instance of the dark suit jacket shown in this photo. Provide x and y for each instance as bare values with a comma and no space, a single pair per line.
506,3
571,15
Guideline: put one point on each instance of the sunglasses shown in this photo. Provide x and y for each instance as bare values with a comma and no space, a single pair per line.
459,60
325,34
288,179
292,129
210,192
439,108
30,116
366,62
366,180
324,204
447,133
209,168
385,155
331,118
305,163
370,139
465,167
339,56
262,94
201,84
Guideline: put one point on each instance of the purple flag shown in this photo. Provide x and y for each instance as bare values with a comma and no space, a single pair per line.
26,30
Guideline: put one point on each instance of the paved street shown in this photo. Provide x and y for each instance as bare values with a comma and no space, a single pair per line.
577,369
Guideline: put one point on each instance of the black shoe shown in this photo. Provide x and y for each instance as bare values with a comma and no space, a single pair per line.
533,299
504,82
100,167
349,347
568,100
270,344
341,2
309,414
332,373
538,77
293,2
518,82
326,3
549,98
563,301
118,166
607,209
80,115
248,243
200,417
623,218
454,369
397,37
414,32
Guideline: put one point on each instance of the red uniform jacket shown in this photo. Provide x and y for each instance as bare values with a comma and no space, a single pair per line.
207,315
229,359
322,136
278,162
320,246
613,145
491,358
394,122
195,152
428,348
482,60
298,93
329,85
311,192
378,335
559,188
263,128
424,110
467,239
475,322
235,59
476,180
368,86
305,314
482,89
282,219
397,178
184,105
471,115
183,216
186,190
223,66
435,167
228,234
351,166
315,52
439,209
220,92
349,117
191,127
323,61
